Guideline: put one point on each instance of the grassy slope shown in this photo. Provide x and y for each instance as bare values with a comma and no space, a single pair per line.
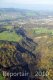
10,36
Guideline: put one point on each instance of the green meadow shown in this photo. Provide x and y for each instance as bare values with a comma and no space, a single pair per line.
10,36
42,30
8,27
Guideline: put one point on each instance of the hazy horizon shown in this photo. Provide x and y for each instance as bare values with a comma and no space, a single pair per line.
27,4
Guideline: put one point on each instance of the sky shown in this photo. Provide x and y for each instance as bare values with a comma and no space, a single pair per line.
27,4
